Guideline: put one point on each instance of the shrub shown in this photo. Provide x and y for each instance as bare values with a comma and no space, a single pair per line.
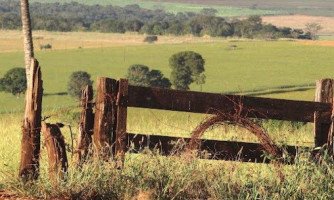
77,82
14,81
187,67
140,75
45,46
151,38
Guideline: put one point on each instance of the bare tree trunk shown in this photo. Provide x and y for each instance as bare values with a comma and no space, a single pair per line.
30,146
27,36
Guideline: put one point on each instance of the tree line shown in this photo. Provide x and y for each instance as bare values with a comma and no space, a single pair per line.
132,18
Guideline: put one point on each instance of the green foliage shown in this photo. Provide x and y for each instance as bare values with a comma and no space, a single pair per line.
133,18
187,67
45,46
14,81
140,75
151,38
77,82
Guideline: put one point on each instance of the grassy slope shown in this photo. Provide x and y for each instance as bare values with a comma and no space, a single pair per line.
254,65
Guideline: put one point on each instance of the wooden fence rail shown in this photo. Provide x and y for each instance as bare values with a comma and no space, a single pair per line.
112,121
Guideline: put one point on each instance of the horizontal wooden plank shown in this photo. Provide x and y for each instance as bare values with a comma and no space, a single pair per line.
210,103
217,150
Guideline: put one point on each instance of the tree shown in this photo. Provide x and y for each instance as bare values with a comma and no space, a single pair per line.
30,141
77,82
313,29
14,81
141,75
157,79
200,80
187,67
27,36
138,75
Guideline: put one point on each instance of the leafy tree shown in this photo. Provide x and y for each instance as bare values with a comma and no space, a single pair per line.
79,17
134,25
157,79
77,82
140,75
200,80
187,67
14,81
2,86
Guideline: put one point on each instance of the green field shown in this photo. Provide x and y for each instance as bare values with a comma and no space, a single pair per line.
279,69
259,67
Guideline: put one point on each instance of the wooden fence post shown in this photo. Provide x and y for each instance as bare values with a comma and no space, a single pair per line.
86,125
322,131
121,135
30,145
105,117
56,150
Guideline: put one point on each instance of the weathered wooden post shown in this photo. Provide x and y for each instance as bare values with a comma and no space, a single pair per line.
122,101
105,117
30,145
56,150
323,131
86,125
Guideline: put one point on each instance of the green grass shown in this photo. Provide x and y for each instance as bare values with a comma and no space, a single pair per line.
151,176
255,65
260,68
226,11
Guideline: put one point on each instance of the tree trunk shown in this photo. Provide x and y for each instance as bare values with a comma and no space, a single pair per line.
30,146
27,37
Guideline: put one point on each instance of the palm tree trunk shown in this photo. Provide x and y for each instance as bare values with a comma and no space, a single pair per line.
30,145
27,37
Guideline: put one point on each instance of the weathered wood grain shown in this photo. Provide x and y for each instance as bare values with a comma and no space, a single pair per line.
30,144
253,107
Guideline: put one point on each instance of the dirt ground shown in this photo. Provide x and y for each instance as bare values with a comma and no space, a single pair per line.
12,40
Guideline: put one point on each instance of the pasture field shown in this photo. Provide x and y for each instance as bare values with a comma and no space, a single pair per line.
305,7
254,67
279,69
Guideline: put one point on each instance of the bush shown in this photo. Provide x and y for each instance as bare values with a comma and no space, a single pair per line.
140,75
151,38
187,67
45,46
77,82
14,81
